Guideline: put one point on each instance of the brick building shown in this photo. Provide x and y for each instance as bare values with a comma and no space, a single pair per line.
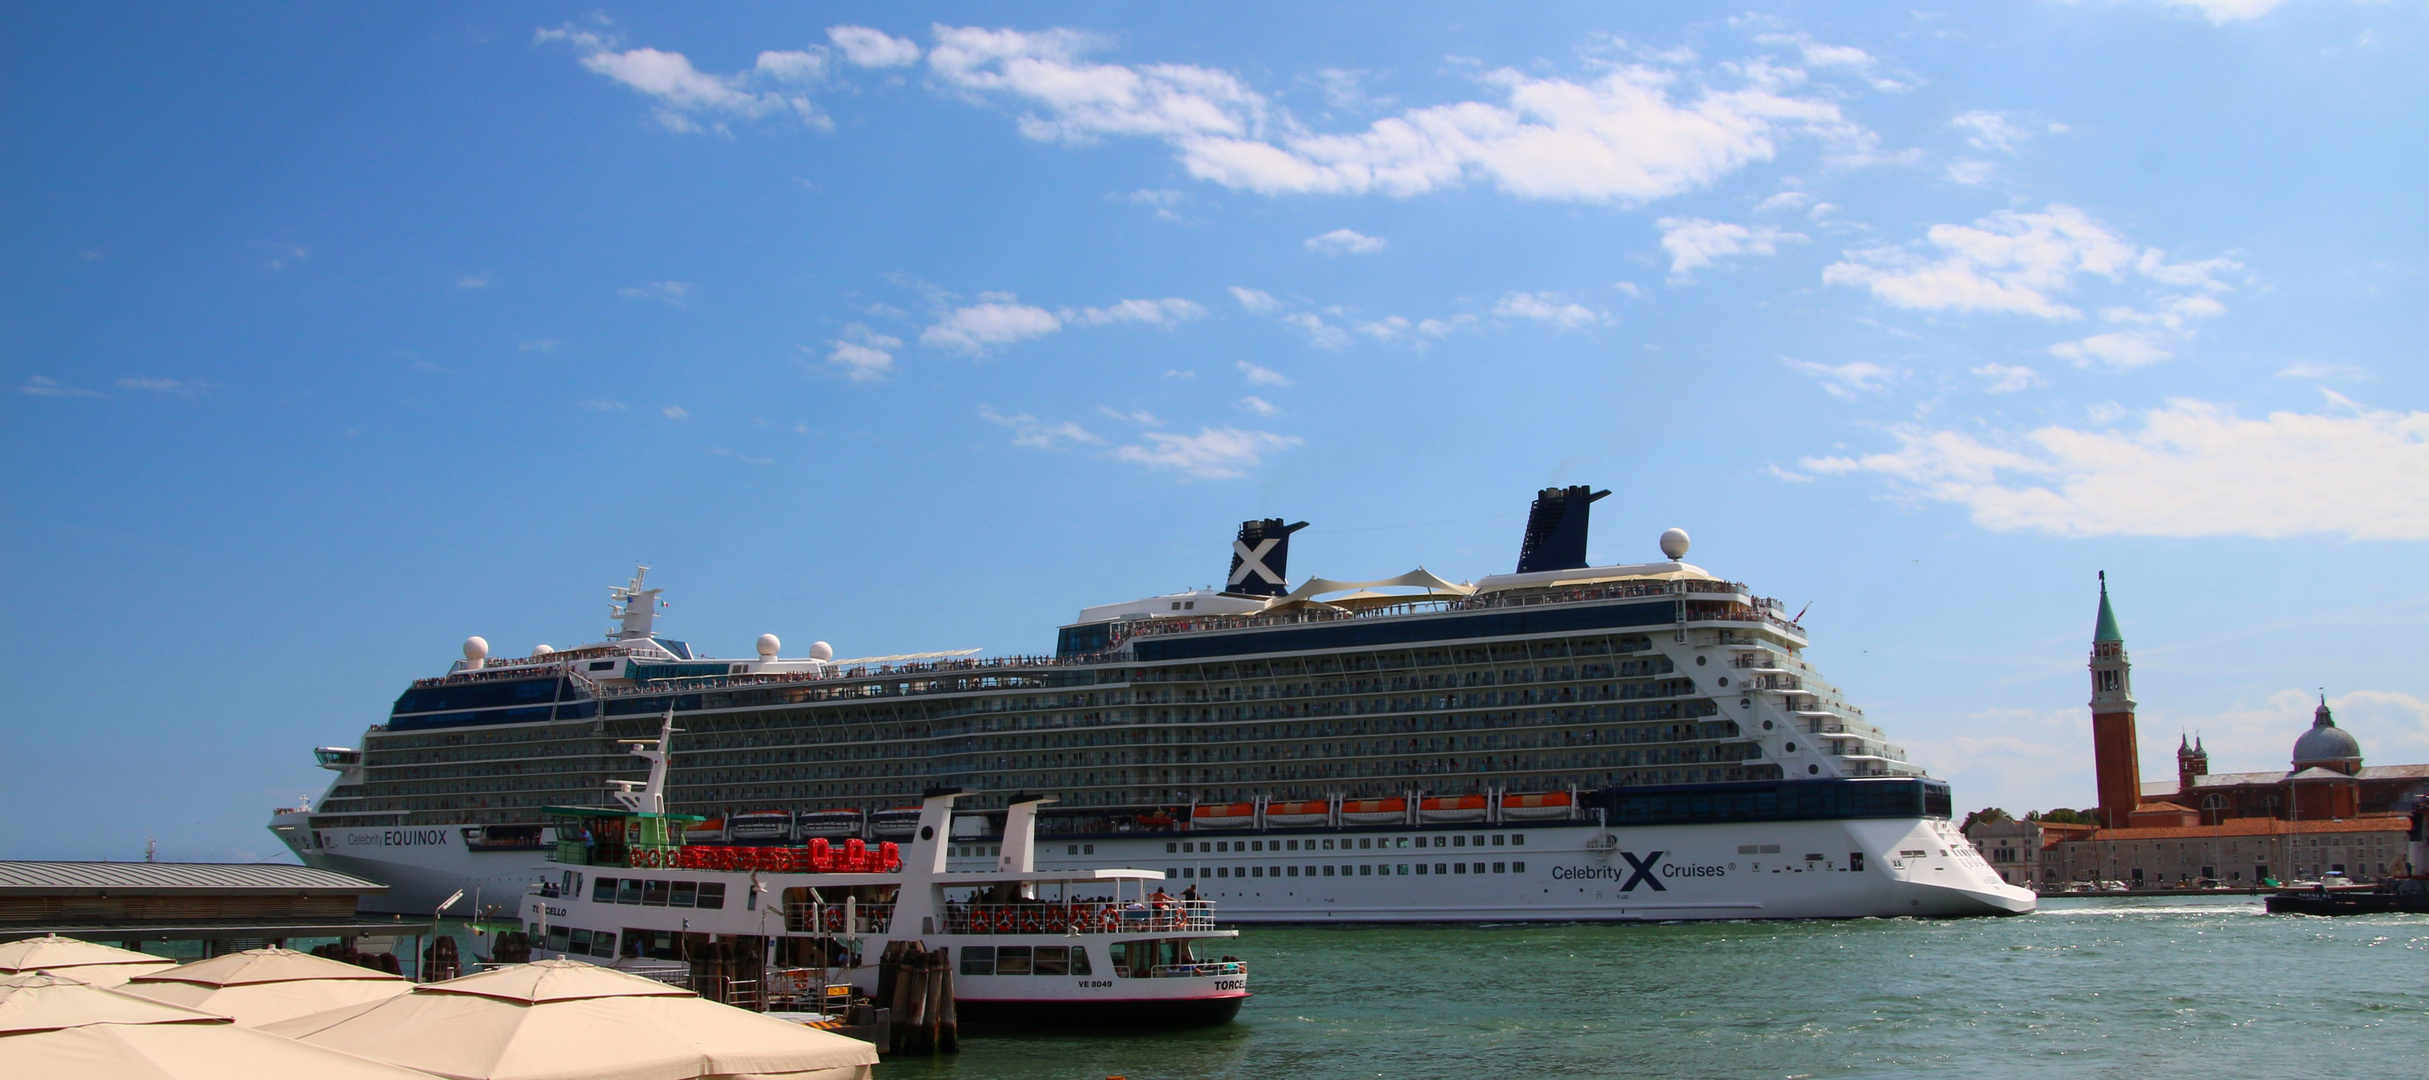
2327,813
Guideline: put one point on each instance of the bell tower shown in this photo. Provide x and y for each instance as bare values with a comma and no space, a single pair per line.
2116,755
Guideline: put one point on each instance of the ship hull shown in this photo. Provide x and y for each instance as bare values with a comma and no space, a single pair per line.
1547,872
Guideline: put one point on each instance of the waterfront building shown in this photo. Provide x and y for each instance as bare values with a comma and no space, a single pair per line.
2325,814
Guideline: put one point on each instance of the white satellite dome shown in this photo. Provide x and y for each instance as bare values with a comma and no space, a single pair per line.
1674,544
476,647
768,646
820,650
542,649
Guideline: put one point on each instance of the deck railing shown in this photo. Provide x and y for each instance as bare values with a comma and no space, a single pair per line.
1194,971
1081,918
829,918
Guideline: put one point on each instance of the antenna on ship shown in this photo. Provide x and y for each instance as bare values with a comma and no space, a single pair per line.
648,797
634,608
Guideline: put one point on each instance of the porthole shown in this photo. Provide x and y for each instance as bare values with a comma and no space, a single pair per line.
1699,661
1766,725
1811,769
1745,703
1791,748
927,832
1724,680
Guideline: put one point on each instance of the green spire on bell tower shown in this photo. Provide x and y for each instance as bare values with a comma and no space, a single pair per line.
2107,628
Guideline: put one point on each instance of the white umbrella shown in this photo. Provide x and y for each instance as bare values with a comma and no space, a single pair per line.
567,1020
57,1028
259,986
84,961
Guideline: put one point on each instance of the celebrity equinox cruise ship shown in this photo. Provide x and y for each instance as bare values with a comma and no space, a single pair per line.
1564,742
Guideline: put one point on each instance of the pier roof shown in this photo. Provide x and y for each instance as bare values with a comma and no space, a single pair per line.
141,879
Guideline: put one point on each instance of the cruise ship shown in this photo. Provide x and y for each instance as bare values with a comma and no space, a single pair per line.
1564,742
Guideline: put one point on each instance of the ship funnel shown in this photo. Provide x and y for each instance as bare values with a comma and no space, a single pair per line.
1556,529
1260,558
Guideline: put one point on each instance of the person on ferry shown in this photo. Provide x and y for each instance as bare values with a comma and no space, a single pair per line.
1161,899
1190,894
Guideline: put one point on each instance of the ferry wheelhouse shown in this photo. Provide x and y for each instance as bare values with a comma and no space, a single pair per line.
1652,736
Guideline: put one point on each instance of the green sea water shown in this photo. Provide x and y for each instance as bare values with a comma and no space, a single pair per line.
2135,988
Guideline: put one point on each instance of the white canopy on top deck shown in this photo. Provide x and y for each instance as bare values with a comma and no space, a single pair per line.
1434,588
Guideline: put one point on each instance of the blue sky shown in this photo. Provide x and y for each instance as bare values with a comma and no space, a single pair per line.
334,335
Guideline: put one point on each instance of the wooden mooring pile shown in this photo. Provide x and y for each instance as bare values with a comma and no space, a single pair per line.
915,984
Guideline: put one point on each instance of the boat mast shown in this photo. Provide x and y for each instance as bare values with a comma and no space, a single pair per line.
650,798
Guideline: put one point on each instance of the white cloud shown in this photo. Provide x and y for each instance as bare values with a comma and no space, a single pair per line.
2123,348
1620,138
995,322
1258,302
1987,130
1323,334
863,354
2221,12
676,412
1212,453
1547,307
1971,172
1346,242
2018,262
1028,431
1387,328
1694,243
1163,312
2391,724
2193,469
1786,200
1262,376
603,405
873,48
476,281
156,385
1818,54
1258,405
1442,328
2309,370
2007,378
683,91
1843,380
672,292
44,386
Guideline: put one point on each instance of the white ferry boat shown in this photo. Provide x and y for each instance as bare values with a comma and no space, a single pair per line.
1564,742
1027,947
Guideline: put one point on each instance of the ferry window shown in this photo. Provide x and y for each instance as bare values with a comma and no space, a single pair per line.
1079,960
1222,845
1328,871
1328,845
1256,845
603,890
556,938
1294,845
712,895
1012,960
1188,847
1518,868
1497,840
1457,841
1087,849
1403,870
1118,954
628,891
1170,848
1855,860
1366,841
1071,849
1256,871
603,943
685,892
1172,872
578,941
1476,841
653,893
1438,868
1293,871
1052,960
1366,870
978,960
1459,868
1518,839
1222,871
601,665
1497,868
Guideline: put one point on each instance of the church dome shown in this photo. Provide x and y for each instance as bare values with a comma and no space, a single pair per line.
2326,743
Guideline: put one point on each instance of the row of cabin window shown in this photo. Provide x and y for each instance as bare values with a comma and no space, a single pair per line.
1352,870
1025,960
654,893
1363,843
